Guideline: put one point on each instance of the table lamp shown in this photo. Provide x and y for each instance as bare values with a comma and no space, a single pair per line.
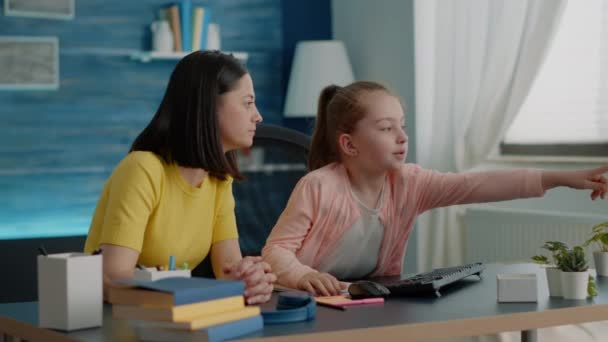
316,64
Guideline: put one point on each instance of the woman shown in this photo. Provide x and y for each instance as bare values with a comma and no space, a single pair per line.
172,194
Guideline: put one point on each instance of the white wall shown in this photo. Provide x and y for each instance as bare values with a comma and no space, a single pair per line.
379,37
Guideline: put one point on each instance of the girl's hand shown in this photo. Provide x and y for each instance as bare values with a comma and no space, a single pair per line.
591,179
321,284
258,278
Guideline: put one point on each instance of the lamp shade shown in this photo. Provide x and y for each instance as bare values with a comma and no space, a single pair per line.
316,64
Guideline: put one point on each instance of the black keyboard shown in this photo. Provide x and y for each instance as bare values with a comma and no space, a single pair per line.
430,282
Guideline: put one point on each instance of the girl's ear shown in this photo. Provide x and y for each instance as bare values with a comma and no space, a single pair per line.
346,145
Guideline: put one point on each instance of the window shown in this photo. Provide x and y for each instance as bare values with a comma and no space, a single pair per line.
566,111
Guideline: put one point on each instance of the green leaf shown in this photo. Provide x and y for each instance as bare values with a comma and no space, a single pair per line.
554,246
604,239
573,260
592,239
600,227
540,259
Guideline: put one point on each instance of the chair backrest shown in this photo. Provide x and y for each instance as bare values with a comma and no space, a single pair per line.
273,166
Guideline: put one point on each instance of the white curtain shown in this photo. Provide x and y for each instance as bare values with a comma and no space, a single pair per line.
475,63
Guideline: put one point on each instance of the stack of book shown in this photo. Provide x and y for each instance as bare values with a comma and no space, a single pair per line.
186,309
189,25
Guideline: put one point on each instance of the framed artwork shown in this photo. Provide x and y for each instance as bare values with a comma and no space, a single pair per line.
29,63
50,9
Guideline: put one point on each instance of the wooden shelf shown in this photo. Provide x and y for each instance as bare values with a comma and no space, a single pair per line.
148,56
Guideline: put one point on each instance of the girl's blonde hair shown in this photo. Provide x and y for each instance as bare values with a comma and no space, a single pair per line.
339,110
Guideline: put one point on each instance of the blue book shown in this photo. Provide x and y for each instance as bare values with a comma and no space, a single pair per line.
235,329
185,13
206,22
178,290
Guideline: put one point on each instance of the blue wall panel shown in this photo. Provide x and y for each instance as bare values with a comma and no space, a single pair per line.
58,147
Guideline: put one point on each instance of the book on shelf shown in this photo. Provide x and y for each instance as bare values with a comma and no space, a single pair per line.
175,24
178,313
197,28
189,25
169,292
205,321
215,333
185,11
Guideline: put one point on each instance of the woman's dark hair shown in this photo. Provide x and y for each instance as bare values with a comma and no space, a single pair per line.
185,128
339,109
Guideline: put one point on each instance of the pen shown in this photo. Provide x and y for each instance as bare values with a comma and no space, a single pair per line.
42,250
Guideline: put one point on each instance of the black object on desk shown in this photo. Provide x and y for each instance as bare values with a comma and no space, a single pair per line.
424,284
367,289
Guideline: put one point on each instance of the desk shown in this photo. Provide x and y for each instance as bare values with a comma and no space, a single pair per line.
469,309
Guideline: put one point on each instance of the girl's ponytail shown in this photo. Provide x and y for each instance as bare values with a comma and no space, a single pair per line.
340,108
322,150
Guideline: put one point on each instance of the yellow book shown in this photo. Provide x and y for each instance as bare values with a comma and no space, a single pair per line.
178,313
206,321
197,28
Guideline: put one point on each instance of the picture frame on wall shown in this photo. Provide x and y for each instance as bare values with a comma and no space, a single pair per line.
29,63
48,9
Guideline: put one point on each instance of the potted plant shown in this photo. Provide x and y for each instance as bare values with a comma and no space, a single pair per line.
554,279
575,275
600,237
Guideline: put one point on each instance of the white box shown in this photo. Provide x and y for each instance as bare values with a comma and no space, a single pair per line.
521,287
70,291
151,274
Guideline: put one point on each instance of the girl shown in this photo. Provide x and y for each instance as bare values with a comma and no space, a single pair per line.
172,194
352,215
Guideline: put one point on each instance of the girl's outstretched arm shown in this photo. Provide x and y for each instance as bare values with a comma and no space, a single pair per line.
590,179
434,189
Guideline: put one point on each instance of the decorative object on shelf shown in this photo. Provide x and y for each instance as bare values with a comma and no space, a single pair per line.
316,64
148,56
190,26
48,9
162,37
29,63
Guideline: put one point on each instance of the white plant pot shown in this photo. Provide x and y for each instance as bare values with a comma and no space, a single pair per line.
554,280
574,285
601,263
